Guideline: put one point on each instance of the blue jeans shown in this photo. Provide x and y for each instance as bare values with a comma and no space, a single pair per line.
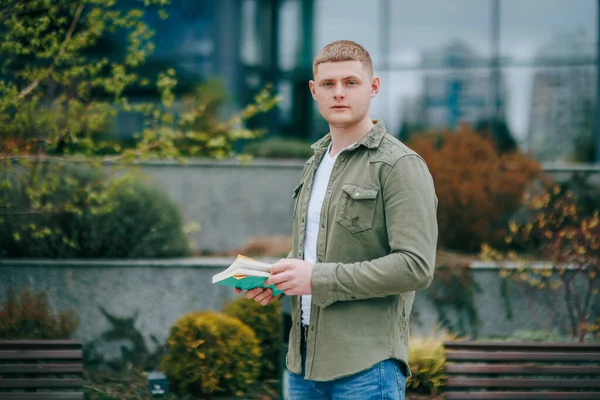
384,381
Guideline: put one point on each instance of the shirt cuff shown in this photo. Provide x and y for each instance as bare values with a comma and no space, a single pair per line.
323,282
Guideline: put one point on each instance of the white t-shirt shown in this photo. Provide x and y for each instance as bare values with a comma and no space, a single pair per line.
313,218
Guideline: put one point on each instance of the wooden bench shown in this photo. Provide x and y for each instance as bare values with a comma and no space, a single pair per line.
515,370
28,366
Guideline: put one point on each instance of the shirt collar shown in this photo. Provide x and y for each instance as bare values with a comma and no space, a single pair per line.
371,140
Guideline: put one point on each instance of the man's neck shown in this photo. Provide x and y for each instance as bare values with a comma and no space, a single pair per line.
344,136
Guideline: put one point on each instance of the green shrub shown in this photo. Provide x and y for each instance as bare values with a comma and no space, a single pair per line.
28,315
211,353
144,223
427,359
265,321
98,217
279,148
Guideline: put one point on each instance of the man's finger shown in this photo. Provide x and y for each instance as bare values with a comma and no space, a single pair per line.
287,285
250,294
238,290
280,266
264,295
266,300
277,278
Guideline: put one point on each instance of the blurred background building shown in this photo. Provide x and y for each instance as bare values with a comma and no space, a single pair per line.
530,64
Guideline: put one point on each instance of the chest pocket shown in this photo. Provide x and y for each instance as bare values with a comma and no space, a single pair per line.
358,207
296,197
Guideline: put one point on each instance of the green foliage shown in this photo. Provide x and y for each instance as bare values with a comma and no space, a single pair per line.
265,321
427,361
60,91
28,315
211,353
88,215
279,148
561,232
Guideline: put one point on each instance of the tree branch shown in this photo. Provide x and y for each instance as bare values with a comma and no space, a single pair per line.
586,304
36,82
568,300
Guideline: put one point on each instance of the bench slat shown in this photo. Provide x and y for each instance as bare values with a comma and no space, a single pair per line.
455,355
40,344
520,383
482,369
40,354
41,396
40,368
40,383
522,395
521,346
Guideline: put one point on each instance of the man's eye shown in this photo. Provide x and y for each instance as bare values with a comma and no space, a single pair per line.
328,84
351,83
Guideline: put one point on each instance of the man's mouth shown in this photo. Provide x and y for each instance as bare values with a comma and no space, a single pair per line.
339,107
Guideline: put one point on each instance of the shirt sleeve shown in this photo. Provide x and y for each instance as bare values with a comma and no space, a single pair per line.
410,206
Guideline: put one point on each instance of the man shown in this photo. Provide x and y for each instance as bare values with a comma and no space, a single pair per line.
364,240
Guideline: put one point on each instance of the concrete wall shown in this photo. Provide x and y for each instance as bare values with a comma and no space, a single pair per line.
157,293
231,202
234,203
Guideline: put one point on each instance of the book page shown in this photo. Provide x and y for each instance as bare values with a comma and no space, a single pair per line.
251,264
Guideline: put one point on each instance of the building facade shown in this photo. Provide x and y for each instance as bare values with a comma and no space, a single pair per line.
441,63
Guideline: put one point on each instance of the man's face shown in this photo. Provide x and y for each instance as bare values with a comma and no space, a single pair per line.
343,91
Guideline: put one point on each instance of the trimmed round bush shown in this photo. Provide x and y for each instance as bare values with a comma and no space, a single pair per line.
265,321
211,353
95,218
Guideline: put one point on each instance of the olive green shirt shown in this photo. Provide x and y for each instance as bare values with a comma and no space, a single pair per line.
376,245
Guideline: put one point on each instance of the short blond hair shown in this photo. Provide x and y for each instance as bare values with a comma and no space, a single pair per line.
343,50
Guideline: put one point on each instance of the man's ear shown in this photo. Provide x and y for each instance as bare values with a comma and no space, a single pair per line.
375,85
311,86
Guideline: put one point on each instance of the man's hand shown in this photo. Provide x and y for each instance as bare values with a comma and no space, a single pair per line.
293,276
259,295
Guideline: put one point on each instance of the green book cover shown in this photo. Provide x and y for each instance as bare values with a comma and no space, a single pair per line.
249,282
246,273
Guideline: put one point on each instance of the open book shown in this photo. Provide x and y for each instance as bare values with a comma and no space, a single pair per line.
246,273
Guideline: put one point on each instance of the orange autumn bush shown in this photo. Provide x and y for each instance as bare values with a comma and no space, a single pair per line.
478,188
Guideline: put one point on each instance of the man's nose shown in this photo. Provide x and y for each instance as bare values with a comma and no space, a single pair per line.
339,92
